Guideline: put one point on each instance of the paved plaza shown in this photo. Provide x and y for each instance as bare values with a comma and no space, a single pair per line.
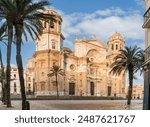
77,105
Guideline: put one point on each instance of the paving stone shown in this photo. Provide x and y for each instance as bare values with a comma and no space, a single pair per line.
77,105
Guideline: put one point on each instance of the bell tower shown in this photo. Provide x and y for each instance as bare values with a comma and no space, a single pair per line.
52,37
116,42
49,52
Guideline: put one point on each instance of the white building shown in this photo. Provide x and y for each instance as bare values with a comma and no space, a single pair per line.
146,26
15,83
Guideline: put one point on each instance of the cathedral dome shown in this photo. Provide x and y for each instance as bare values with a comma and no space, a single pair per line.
53,12
50,11
116,36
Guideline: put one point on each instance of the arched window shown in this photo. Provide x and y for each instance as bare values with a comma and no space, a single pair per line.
29,86
112,47
14,75
52,24
116,47
53,45
15,87
45,24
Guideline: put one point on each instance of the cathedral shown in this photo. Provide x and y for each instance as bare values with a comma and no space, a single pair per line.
87,68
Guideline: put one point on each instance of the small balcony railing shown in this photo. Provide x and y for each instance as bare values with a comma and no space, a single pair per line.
147,53
147,19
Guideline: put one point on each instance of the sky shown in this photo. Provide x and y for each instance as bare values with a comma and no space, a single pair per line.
86,18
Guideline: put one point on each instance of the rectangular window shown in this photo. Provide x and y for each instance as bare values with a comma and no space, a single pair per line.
15,87
112,47
116,47
14,75
45,24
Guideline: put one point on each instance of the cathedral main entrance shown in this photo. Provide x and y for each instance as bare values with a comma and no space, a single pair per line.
71,88
109,90
92,88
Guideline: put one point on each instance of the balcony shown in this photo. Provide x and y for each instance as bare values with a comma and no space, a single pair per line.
147,57
147,19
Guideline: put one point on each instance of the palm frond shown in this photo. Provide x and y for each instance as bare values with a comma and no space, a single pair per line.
57,70
31,8
50,74
127,59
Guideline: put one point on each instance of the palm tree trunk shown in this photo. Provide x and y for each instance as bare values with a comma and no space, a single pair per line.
8,68
2,90
2,82
4,93
18,29
130,85
57,85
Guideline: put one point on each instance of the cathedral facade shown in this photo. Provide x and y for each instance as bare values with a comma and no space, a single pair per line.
87,68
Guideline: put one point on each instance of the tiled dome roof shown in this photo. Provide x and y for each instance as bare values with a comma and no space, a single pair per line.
116,36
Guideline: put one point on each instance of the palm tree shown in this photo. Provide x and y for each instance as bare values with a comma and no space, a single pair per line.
7,12
141,60
28,19
128,60
2,77
55,71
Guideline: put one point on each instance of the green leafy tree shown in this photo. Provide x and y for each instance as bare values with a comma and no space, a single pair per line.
130,60
55,71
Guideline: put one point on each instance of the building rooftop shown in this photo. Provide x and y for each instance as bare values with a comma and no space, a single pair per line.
116,36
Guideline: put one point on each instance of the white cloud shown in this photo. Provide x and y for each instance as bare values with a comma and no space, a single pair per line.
109,12
14,65
103,23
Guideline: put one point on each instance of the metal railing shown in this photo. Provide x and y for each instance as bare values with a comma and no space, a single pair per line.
147,15
147,53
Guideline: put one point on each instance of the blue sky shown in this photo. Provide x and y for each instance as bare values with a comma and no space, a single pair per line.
94,17
71,6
